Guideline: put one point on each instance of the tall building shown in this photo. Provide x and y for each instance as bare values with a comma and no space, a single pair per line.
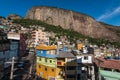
40,37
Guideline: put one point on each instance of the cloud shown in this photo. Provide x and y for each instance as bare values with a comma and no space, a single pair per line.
109,14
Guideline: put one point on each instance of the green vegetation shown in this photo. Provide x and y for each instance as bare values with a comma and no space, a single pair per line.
71,35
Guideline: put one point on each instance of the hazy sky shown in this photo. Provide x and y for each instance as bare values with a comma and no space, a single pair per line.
102,10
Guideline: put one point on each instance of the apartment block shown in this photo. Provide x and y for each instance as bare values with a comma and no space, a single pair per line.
40,37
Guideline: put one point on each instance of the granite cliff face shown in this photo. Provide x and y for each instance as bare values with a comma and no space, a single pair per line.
72,20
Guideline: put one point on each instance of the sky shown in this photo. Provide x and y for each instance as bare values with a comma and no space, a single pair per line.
107,11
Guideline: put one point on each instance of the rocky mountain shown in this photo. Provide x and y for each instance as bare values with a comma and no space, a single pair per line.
14,16
67,19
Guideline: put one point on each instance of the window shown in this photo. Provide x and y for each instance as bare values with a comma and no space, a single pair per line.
39,59
48,52
41,52
52,70
59,63
39,66
86,57
50,61
45,59
45,69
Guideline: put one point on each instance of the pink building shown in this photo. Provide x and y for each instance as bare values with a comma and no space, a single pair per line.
40,37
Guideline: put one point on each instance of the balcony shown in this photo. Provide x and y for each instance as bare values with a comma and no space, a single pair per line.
60,63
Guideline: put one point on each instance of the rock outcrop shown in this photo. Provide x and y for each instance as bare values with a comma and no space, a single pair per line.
14,16
79,22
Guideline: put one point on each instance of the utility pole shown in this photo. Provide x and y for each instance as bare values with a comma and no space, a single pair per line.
31,69
30,72
12,67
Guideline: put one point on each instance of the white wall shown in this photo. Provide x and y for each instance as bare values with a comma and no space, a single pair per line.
84,59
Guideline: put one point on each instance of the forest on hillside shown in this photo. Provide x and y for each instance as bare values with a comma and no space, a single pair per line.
72,36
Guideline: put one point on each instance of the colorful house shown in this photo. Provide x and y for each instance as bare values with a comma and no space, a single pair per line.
55,63
46,62
66,66
79,46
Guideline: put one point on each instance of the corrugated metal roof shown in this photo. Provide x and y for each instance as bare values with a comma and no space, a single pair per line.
63,54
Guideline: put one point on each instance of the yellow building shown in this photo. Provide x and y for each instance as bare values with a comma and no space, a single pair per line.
45,72
79,46
46,62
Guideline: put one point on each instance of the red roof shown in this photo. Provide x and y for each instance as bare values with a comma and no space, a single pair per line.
111,64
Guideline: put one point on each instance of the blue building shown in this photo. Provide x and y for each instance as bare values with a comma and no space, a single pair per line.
14,48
